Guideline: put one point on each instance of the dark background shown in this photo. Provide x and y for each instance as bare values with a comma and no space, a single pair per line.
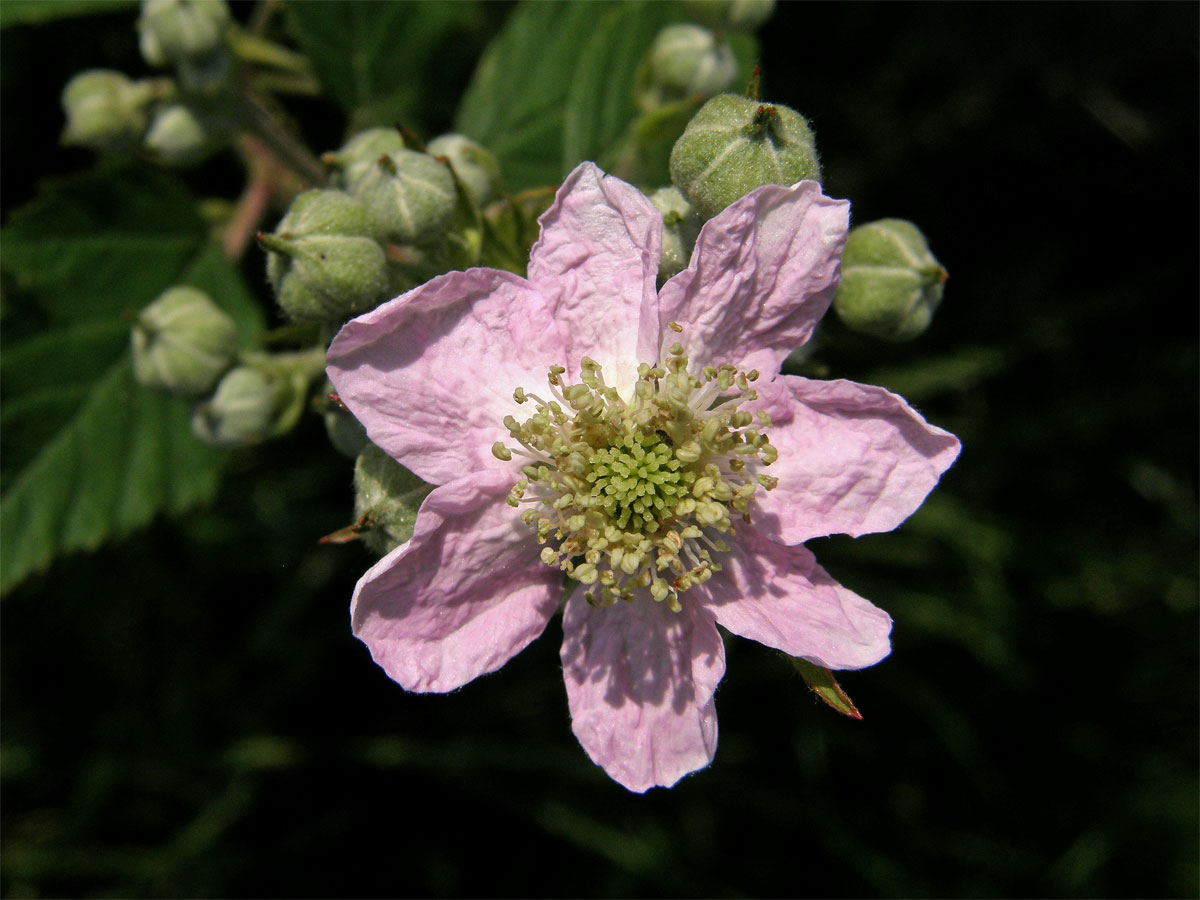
186,713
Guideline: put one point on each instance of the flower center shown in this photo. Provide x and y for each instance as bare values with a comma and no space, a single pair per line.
634,496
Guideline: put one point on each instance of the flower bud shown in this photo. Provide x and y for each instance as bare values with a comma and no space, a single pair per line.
681,225
411,194
251,404
734,145
182,343
177,137
476,167
325,260
386,499
685,61
361,153
181,31
732,15
105,110
891,283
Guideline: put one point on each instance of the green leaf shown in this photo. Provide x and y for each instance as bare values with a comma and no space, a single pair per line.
379,60
89,454
573,100
35,12
826,687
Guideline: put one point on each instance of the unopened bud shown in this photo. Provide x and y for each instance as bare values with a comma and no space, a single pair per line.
250,405
684,62
178,137
734,15
387,497
476,167
105,110
734,145
182,343
325,260
891,283
681,225
411,194
181,31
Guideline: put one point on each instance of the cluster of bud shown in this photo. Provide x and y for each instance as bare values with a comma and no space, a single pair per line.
891,283
393,218
735,144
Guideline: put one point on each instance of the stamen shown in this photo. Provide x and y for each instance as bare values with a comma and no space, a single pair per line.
623,491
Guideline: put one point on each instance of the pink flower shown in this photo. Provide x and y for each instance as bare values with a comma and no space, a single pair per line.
659,458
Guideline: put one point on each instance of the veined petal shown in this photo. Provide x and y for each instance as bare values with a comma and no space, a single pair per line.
431,374
853,459
780,597
596,261
763,272
640,682
461,598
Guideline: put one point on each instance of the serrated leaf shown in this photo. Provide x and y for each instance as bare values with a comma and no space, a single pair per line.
89,454
376,59
96,246
825,686
35,12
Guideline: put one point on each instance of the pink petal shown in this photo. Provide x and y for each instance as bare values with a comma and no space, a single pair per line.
461,598
780,597
640,682
763,272
431,374
853,459
597,260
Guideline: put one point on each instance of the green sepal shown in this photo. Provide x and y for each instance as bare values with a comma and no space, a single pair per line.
825,686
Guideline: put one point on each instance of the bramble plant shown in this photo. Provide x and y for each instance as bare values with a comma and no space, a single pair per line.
560,342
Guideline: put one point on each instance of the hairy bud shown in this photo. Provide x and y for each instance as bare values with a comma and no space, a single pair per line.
891,283
182,343
734,145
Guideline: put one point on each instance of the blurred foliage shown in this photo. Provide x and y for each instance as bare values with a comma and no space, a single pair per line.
186,713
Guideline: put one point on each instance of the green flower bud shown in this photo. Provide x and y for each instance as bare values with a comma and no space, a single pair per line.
386,499
476,167
681,225
891,283
685,61
251,404
361,154
105,110
182,343
177,137
181,31
411,194
734,145
734,15
325,260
